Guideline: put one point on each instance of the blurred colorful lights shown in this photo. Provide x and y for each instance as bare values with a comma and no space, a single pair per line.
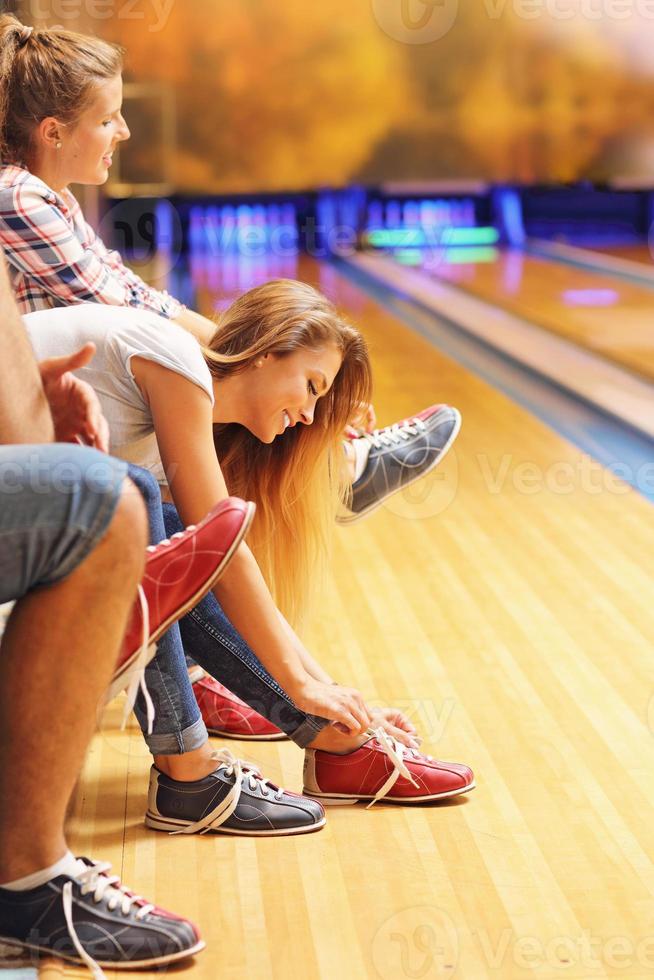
590,297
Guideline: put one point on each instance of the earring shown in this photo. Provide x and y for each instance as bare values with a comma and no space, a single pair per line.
58,144
259,362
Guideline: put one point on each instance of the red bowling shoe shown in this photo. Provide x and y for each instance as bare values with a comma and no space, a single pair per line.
178,573
382,768
225,714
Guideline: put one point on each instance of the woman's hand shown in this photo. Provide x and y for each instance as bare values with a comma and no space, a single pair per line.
343,706
398,726
365,420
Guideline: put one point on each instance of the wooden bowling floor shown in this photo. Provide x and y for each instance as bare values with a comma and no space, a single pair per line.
598,311
634,253
505,602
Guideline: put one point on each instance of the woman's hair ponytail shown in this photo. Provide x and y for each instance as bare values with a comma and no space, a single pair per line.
46,72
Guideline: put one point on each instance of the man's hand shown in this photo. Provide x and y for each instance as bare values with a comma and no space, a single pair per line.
76,412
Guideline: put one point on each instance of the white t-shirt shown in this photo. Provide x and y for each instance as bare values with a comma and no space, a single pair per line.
120,333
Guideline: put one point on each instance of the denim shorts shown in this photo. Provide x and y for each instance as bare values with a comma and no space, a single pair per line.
56,503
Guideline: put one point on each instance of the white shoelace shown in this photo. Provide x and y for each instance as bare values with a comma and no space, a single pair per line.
244,773
394,435
95,880
137,678
173,537
397,753
137,673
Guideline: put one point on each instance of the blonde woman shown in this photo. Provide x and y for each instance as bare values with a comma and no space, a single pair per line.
51,139
261,411
60,121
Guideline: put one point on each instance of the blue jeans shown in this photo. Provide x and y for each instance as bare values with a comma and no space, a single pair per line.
210,639
178,726
56,503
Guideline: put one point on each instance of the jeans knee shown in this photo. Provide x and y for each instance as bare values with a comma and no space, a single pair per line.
129,526
145,483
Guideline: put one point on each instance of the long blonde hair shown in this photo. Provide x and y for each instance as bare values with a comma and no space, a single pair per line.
46,72
297,480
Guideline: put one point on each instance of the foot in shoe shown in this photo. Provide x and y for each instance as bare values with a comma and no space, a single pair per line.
399,455
382,768
178,573
94,920
225,714
234,799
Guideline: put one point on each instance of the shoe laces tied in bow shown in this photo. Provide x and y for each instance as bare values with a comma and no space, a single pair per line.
242,772
96,880
396,752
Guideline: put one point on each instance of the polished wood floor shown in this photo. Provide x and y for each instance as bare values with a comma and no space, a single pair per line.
613,317
507,603
634,253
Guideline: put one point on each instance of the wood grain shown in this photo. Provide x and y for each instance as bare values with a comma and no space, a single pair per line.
506,601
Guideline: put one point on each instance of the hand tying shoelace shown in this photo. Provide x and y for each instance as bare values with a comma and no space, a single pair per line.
94,879
242,771
393,435
396,752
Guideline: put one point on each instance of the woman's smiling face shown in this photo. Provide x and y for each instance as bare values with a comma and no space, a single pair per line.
87,145
282,390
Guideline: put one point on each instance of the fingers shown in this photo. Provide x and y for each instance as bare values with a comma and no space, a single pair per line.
54,367
359,718
96,427
103,435
78,359
401,736
347,710
398,718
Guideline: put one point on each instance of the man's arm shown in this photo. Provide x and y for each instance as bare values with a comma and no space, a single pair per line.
24,412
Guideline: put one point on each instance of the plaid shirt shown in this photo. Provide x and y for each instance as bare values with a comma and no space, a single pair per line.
56,259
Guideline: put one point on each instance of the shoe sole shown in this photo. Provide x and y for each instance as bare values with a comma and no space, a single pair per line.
162,823
342,799
249,738
105,964
344,520
121,680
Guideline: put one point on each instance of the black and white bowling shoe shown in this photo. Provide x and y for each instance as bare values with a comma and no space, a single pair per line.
399,455
94,920
234,799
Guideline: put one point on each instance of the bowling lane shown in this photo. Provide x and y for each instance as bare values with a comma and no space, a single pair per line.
612,317
633,253
503,602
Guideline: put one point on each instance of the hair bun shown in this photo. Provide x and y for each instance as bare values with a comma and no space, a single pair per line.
25,35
